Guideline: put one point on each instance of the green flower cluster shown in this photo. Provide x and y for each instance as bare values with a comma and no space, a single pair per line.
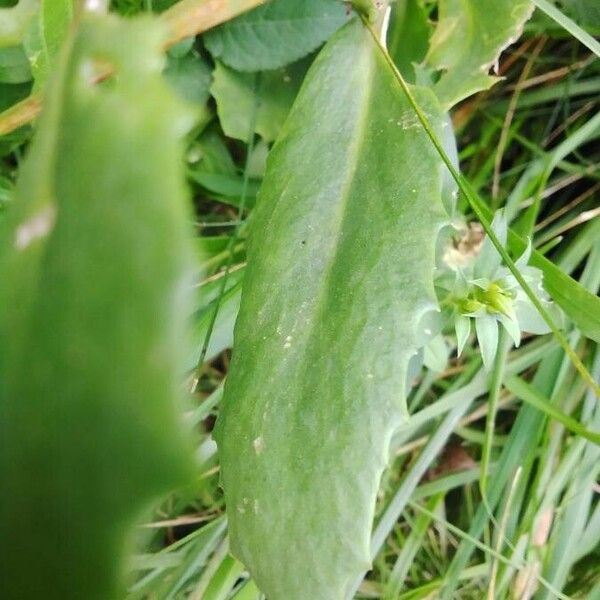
483,291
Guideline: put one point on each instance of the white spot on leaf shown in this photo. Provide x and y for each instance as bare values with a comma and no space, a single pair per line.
37,227
259,444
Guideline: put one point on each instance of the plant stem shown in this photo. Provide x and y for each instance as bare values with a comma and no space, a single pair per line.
234,237
494,394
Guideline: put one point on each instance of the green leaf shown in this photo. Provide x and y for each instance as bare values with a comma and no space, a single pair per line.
190,75
530,394
210,153
11,94
584,12
46,36
577,32
96,267
339,276
408,36
228,188
469,37
222,333
265,98
14,66
276,34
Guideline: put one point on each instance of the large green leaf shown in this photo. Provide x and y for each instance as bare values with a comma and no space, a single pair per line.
339,276
276,34
263,99
96,268
467,41
190,75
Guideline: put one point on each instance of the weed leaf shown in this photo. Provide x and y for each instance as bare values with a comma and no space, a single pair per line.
467,41
96,268
339,276
276,34
46,36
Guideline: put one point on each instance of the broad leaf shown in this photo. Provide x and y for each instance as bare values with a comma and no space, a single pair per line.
96,268
260,99
339,276
467,41
275,34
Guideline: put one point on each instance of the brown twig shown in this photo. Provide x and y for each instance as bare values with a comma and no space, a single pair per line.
568,122
191,17
551,75
567,207
20,114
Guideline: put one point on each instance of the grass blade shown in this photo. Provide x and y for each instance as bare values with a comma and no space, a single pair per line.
577,32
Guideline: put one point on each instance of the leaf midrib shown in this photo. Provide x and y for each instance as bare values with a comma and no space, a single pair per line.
358,138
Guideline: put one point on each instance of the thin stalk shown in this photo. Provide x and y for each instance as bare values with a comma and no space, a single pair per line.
485,548
465,188
236,232
494,395
505,514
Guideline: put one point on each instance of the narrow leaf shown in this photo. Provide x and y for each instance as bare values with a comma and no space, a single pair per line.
580,34
96,270
531,395
339,275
